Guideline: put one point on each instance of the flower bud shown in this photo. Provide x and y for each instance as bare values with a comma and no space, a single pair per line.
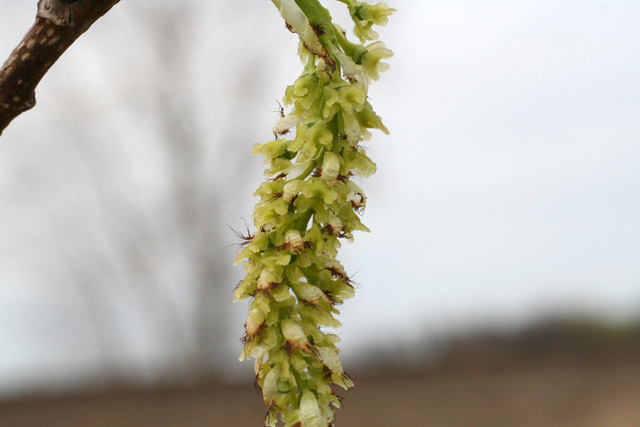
330,166
294,241
294,334
270,386
290,191
266,280
254,322
310,414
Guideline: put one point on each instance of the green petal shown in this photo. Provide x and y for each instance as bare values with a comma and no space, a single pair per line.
330,166
310,411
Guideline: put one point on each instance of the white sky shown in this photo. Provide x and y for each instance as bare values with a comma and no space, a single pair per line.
508,189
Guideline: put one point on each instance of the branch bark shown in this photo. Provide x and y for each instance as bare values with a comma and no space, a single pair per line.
40,48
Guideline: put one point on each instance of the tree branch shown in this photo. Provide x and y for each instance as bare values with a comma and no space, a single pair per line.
58,24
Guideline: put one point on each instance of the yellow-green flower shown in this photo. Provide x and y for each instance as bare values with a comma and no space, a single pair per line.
308,203
371,60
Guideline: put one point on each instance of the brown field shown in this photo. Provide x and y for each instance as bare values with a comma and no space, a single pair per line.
480,383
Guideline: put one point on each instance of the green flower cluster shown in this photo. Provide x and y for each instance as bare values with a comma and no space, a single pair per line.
307,204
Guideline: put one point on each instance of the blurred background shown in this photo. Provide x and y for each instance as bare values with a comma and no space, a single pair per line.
500,285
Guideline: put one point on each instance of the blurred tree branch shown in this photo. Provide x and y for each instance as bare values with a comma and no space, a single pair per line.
40,48
140,243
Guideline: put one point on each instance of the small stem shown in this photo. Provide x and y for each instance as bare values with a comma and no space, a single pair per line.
320,19
334,127
355,51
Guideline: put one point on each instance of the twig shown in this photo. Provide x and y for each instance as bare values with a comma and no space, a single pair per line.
44,43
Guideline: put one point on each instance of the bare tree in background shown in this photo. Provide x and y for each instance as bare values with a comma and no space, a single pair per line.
161,252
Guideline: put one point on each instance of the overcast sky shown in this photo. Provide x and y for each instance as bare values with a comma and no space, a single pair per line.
510,184
507,190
